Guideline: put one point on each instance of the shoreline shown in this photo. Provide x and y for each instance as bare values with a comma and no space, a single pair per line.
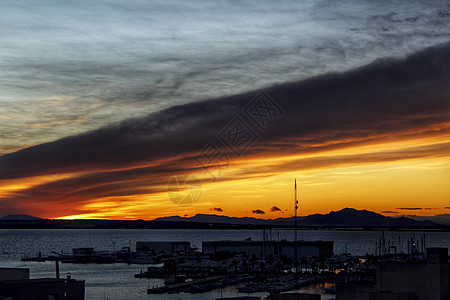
139,224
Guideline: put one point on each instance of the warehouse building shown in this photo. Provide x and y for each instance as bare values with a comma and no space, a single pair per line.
163,247
320,249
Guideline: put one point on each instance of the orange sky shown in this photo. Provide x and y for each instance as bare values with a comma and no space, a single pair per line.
370,176
389,187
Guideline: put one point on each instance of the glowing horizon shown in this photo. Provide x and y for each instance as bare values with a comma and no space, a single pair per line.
317,190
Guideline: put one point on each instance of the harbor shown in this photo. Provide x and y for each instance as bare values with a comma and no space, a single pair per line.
250,267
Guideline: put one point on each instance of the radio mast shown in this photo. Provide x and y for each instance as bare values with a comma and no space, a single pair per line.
295,226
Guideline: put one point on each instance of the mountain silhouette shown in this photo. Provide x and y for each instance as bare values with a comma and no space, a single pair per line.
343,217
19,218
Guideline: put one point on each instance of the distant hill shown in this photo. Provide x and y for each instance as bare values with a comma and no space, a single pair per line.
205,218
19,218
353,217
443,219
344,217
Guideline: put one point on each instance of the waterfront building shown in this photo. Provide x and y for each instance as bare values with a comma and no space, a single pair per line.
15,284
167,247
318,249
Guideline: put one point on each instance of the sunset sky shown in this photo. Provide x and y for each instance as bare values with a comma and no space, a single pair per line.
143,109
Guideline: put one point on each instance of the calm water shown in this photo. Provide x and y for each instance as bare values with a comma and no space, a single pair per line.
116,281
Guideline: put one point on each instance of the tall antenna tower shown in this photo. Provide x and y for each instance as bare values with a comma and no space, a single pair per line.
295,226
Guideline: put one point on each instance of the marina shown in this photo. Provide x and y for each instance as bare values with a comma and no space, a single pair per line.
259,277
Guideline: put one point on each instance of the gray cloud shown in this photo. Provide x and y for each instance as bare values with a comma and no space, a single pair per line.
128,60
258,212
378,100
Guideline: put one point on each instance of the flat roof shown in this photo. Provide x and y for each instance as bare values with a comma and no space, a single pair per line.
268,242
40,280
162,242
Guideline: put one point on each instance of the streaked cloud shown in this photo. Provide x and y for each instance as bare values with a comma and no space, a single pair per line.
414,208
102,62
